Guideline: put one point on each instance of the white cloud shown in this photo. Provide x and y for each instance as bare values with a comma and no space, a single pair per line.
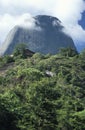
76,32
17,12
69,10
70,15
7,22
26,20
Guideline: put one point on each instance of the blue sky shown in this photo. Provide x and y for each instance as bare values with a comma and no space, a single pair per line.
70,12
82,21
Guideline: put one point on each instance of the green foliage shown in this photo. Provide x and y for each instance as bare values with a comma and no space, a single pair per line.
82,55
31,99
6,60
69,52
78,120
20,50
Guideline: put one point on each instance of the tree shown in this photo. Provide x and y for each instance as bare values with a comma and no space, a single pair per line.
8,116
68,52
82,55
20,50
43,105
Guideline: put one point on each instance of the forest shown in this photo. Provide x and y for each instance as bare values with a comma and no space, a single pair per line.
42,92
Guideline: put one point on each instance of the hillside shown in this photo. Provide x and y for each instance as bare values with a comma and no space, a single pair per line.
43,92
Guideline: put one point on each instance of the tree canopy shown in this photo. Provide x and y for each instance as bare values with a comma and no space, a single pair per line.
32,100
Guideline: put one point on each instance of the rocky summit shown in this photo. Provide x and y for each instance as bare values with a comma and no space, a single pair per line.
46,36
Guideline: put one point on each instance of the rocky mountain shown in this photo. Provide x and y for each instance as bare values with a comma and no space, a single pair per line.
45,37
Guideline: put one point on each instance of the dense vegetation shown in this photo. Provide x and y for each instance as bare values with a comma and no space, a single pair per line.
43,92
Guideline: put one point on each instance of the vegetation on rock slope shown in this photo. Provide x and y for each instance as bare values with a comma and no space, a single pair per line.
43,92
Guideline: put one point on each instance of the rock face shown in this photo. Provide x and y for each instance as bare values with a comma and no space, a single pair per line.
46,37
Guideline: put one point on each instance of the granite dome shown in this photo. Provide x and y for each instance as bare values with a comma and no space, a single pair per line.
46,36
